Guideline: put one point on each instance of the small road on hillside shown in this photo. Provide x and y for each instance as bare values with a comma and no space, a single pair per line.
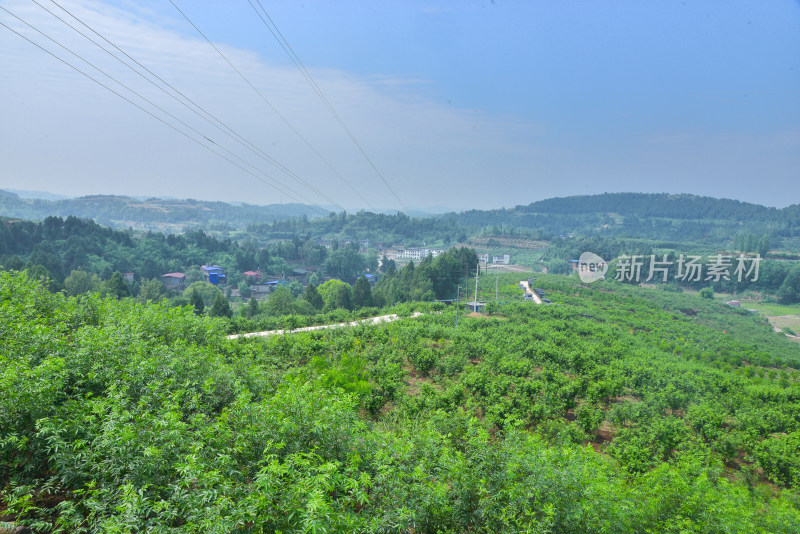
526,286
370,320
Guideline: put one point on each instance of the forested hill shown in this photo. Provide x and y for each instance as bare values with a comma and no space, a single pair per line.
645,215
153,213
664,205
658,205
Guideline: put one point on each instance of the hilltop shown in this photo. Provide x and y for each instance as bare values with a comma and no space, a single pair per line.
665,217
169,215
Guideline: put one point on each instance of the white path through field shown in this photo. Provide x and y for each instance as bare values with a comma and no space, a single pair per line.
371,320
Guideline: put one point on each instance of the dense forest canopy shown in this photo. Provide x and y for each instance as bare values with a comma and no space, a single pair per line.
64,245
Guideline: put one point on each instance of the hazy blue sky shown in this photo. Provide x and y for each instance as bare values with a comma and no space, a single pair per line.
458,104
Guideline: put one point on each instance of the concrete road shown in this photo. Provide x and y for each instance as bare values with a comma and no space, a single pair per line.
524,285
371,320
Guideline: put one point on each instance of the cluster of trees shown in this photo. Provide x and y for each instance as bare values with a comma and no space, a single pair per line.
390,229
433,278
331,295
61,246
625,215
82,256
79,257
750,242
118,416
88,253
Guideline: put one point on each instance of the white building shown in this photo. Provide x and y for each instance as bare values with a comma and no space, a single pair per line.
419,253
412,254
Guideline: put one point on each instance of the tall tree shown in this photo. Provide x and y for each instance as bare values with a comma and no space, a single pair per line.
152,290
343,297
362,293
280,302
335,294
763,246
80,282
117,286
789,292
221,308
345,263
252,307
313,297
197,302
388,266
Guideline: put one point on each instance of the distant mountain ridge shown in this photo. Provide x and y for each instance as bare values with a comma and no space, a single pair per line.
644,215
676,206
121,211
44,195
683,206
637,215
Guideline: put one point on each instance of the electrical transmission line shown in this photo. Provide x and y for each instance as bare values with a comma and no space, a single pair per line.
289,51
166,123
261,95
194,107
287,48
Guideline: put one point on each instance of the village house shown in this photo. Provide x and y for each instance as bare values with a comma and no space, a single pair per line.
253,276
419,253
213,274
266,288
174,281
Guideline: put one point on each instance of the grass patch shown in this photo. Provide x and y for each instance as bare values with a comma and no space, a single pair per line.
771,309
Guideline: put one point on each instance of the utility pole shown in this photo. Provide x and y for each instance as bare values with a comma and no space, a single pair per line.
477,270
495,287
457,295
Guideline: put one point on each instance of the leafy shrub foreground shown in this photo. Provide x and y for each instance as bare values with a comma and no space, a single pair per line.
120,417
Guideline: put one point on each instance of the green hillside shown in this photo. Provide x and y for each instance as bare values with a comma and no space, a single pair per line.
615,409
662,216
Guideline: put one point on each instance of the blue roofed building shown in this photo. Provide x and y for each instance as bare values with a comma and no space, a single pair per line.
214,274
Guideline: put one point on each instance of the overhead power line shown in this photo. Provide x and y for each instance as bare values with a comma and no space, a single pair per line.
166,123
287,48
301,199
194,107
263,98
